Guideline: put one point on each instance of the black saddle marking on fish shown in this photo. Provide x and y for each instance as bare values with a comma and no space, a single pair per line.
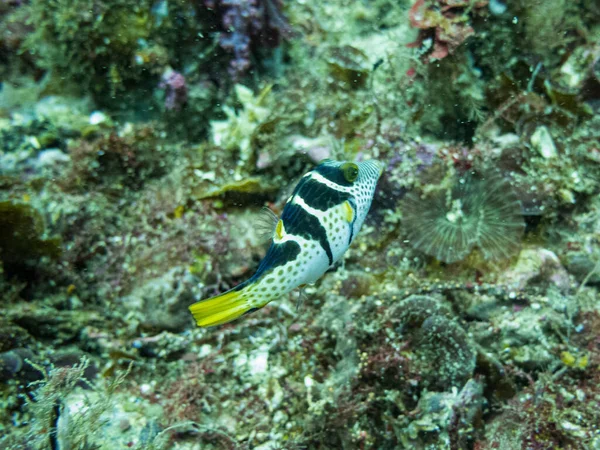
319,196
299,222
53,435
241,286
251,310
333,173
277,255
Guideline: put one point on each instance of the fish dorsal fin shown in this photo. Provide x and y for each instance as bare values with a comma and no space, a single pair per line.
266,224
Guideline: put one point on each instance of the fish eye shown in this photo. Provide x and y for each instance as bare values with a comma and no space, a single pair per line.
350,171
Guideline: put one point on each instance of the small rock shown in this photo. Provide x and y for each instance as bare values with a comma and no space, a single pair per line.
497,7
535,265
51,158
67,113
124,424
98,117
542,141
583,267
317,149
13,362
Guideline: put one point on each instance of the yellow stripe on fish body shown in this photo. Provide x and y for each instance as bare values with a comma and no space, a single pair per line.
318,223
278,231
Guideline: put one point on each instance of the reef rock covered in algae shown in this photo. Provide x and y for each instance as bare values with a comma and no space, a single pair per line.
139,142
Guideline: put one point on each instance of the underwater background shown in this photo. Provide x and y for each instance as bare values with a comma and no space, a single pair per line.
139,141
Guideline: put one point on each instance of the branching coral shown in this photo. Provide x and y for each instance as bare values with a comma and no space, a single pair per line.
473,212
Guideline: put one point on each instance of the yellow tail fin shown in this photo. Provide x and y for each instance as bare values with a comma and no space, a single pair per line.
221,309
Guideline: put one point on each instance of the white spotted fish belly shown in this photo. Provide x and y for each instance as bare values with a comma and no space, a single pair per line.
318,223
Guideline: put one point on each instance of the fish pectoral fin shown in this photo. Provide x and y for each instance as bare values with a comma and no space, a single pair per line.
265,224
222,308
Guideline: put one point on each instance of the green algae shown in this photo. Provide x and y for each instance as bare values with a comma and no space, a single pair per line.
248,186
349,66
87,41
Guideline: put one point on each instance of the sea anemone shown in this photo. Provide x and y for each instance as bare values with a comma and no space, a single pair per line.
476,211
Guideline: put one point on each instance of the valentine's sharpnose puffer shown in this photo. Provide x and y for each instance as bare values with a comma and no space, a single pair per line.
318,223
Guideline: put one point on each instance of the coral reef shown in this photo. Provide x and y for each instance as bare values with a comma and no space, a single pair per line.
139,142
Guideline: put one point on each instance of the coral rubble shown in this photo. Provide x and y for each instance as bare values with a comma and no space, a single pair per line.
139,142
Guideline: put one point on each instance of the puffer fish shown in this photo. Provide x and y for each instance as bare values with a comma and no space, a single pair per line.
318,223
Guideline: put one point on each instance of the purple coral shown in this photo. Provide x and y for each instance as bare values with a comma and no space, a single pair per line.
248,23
176,90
